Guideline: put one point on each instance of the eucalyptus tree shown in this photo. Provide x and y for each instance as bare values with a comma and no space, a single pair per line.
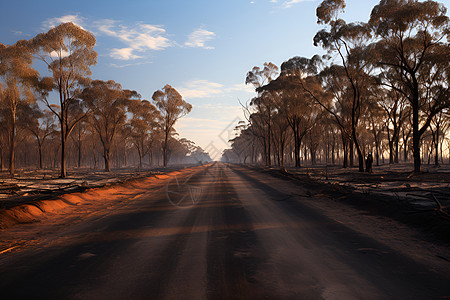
376,121
406,135
108,103
326,88
394,107
68,51
347,41
280,136
41,124
293,90
438,127
242,144
17,77
264,102
412,43
172,107
79,136
334,83
143,125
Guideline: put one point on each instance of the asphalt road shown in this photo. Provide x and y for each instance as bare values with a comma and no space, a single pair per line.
223,233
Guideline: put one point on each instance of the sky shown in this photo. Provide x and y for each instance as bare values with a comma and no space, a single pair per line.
203,48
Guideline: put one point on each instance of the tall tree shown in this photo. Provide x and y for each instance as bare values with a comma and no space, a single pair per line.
412,43
172,107
143,126
264,102
108,103
347,41
68,51
292,100
18,76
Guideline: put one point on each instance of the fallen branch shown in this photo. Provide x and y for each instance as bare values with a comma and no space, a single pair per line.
440,207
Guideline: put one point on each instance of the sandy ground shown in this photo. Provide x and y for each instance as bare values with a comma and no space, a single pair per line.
32,185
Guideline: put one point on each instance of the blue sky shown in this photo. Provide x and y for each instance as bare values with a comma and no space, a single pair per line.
203,48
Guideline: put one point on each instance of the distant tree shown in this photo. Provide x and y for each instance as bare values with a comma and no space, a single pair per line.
172,107
108,103
41,125
242,145
18,76
68,51
78,137
180,149
143,126
198,155
438,127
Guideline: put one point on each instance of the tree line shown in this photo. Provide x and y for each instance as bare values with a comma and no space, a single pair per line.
89,116
383,86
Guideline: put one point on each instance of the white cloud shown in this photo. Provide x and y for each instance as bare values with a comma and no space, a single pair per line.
139,38
123,54
124,65
200,89
288,4
199,37
53,22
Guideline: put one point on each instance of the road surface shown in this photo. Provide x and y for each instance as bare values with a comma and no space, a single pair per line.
227,232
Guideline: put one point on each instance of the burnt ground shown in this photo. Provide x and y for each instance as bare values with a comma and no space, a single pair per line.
30,186
418,200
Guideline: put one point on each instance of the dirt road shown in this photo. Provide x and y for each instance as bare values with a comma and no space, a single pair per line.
224,233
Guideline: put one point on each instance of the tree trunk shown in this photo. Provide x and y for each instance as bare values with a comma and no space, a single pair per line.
79,154
1,159
391,152
296,146
345,149
12,144
165,150
405,147
436,144
63,155
282,146
351,153
269,131
63,118
396,142
140,157
107,157
333,150
415,125
40,155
